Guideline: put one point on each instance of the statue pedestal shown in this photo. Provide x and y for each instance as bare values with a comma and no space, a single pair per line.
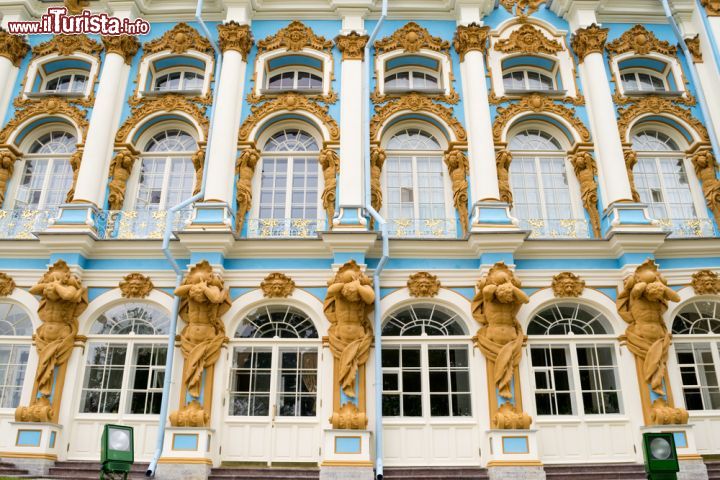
35,447
346,455
514,454
691,463
186,453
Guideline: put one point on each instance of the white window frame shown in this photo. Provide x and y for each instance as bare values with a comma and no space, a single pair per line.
636,72
295,70
20,341
74,73
412,69
672,68
263,60
35,68
444,74
146,70
183,71
526,80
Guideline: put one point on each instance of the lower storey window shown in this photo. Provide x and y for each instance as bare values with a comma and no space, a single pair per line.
699,375
13,361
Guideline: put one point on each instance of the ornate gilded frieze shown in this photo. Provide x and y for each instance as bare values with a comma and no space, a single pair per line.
7,167
331,98
180,39
416,103
495,100
458,168
245,169
294,38
65,45
13,47
706,169
521,8
589,40
164,103
693,45
135,285
423,285
656,105
377,161
330,163
46,107
641,41
503,159
469,38
411,38
120,169
124,45
712,7
277,285
705,282
686,99
7,284
567,284
75,161
537,103
288,101
630,162
585,171
234,36
198,161
352,45
528,39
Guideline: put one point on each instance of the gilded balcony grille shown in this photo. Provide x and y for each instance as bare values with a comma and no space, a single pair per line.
422,228
561,228
284,227
139,224
687,227
21,224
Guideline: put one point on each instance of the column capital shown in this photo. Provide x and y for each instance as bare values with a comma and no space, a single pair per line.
13,47
234,36
712,7
352,45
589,40
472,37
124,45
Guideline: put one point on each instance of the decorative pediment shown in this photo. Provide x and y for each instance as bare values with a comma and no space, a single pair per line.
67,45
44,107
657,105
411,38
641,41
294,38
416,103
528,39
181,38
165,103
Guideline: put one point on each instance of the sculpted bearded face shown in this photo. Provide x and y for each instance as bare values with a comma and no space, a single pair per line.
136,287
277,287
425,287
567,286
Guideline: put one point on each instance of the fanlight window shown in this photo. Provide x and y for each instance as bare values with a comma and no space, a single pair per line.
568,319
137,318
295,80
527,80
699,317
423,319
276,322
179,81
635,81
15,323
66,83
411,80
534,140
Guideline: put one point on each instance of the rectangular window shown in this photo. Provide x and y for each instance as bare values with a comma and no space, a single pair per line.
13,362
699,376
553,380
598,379
103,382
662,184
297,386
402,382
147,373
250,381
449,381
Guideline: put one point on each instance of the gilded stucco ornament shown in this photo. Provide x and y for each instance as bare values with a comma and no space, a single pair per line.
198,161
204,301
537,103
415,102
75,7
693,45
245,170
469,38
135,285
706,170
495,306
705,282
521,8
630,162
712,7
180,39
7,284
120,170
50,106
655,105
503,159
423,284
13,47
124,45
589,40
65,45
640,41
352,45
164,103
411,38
458,168
277,285
567,284
294,38
330,163
377,161
585,171
63,299
528,39
234,36
349,417
7,167
75,162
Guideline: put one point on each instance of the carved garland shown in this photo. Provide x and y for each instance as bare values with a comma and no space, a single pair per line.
641,41
44,107
657,105
181,38
528,39
411,38
65,45
13,47
294,37
165,103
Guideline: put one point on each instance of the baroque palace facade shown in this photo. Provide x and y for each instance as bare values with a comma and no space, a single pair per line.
464,235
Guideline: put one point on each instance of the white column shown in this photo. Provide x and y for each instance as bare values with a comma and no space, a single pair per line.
105,119
13,48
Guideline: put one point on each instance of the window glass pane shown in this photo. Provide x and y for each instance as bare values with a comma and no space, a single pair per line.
297,382
276,322
423,319
554,390
250,381
598,379
569,318
449,383
193,81
147,374
14,320
402,385
13,362
629,82
137,318
398,80
699,375
102,383
698,317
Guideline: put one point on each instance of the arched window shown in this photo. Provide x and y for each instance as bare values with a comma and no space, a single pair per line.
125,360
305,80
575,371
66,82
46,174
429,377
274,364
178,80
634,81
539,179
15,340
406,79
661,177
525,79
696,335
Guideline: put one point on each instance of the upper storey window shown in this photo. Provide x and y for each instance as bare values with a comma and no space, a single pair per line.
639,81
66,83
412,78
295,80
528,80
181,80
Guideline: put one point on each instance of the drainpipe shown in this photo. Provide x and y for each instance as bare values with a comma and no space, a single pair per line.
709,32
693,73
164,404
382,225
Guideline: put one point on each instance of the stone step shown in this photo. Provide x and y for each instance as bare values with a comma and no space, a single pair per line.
599,471
249,473
435,473
95,466
13,472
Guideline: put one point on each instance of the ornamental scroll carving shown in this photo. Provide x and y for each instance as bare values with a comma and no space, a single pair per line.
630,162
75,162
120,170
13,47
234,36
642,303
470,38
567,284
521,8
245,169
712,7
411,38
204,300
181,38
705,282
52,106
7,167
65,45
503,159
589,40
135,285
641,41
294,38
458,168
423,284
165,103
377,161
124,45
528,39
352,45
63,299
495,306
330,163
657,105
415,102
706,168
585,171
693,45
277,285
7,284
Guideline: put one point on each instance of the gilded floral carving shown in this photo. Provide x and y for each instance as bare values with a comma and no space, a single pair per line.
63,299
44,107
423,285
411,38
75,161
416,103
65,45
198,161
294,38
641,41
567,284
7,167
589,40
13,47
468,38
458,168
352,45
537,103
330,163
245,169
705,282
124,45
706,168
180,39
503,159
521,8
693,45
585,171
136,285
528,39
656,105
120,170
630,162
234,36
164,103
377,161
712,7
277,285
7,284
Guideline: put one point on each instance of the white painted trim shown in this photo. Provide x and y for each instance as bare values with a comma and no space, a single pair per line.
147,68
114,297
262,60
443,74
36,64
453,301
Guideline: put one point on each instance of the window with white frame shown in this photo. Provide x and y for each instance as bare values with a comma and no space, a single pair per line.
65,82
425,364
642,81
15,340
411,79
46,173
274,368
573,362
527,79
539,181
696,339
661,177
295,80
125,361
178,80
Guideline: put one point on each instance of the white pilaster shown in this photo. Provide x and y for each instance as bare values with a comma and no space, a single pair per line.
13,48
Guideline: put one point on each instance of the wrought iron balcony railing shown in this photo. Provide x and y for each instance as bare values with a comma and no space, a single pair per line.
138,224
687,227
284,227
21,223
562,228
422,228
